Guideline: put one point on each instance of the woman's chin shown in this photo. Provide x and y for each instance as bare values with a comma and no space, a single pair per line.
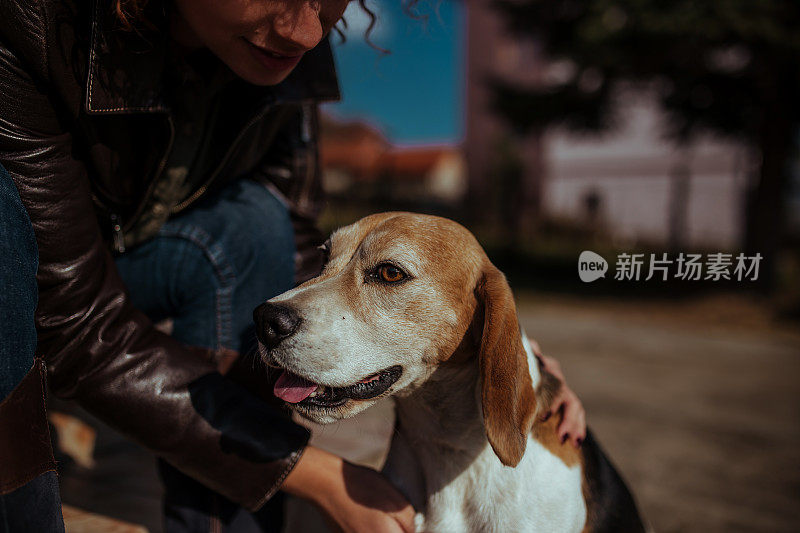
242,62
255,74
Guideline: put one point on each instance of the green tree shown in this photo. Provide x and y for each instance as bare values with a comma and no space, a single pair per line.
731,67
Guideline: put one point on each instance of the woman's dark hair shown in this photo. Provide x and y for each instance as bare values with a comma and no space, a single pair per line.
131,14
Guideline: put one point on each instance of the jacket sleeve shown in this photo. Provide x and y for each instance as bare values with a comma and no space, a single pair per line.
101,351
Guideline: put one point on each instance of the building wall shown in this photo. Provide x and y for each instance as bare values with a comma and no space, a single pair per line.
632,171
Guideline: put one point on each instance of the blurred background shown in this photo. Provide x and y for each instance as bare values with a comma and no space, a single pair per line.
553,127
550,127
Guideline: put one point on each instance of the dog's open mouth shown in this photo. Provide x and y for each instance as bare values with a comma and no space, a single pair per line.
295,389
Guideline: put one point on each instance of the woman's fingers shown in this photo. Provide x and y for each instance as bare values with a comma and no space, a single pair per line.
566,402
354,499
573,424
406,519
552,366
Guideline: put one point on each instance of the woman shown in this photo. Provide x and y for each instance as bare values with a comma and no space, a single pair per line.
166,156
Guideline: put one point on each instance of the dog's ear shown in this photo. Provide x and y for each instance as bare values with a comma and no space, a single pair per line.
507,395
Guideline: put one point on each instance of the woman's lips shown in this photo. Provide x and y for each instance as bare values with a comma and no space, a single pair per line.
272,60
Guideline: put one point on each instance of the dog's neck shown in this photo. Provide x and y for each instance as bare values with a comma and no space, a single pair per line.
446,410
440,428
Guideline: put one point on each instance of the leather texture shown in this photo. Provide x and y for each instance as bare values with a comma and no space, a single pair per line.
25,435
84,131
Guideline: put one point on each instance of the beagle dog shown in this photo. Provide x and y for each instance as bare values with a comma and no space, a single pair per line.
409,305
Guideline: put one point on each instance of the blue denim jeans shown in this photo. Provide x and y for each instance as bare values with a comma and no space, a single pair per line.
207,270
19,259
35,506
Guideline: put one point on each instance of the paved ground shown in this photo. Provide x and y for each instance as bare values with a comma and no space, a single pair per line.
697,403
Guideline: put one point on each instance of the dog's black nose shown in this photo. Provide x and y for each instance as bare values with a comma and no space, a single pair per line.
275,322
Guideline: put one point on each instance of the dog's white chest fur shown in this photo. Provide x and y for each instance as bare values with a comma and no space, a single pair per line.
541,494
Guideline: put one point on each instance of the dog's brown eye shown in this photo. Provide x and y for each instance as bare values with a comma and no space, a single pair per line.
390,273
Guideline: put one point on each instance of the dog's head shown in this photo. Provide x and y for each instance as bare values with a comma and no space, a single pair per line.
400,295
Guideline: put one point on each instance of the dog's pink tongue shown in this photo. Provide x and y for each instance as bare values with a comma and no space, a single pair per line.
292,388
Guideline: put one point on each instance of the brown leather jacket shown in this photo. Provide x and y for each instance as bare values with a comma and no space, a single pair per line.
84,132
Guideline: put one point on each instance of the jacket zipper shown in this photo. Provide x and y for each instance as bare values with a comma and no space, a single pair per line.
203,188
305,137
118,237
117,229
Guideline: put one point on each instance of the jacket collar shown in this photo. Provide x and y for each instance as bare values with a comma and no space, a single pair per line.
130,80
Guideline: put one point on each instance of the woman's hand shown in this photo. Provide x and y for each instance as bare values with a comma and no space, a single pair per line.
353,499
573,422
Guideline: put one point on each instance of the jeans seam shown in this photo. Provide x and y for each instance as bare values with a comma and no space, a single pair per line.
224,272
33,473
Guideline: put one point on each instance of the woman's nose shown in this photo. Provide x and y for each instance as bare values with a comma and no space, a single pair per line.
300,28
